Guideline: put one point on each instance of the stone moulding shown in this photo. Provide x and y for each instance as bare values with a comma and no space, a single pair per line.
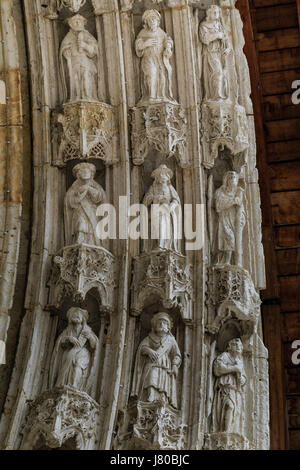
224,125
151,426
89,130
59,415
78,269
226,441
165,274
162,126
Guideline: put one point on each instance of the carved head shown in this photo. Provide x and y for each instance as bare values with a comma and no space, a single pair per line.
213,13
235,345
162,174
77,22
151,19
231,179
77,315
84,171
161,323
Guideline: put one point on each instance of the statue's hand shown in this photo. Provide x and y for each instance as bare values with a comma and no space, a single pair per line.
74,341
175,370
150,43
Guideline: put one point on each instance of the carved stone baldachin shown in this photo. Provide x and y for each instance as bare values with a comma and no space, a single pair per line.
165,274
89,130
52,7
224,125
78,269
162,126
59,415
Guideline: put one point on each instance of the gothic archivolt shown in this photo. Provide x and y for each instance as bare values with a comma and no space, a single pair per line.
150,345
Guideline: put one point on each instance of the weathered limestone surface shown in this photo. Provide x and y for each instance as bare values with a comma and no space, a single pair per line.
129,343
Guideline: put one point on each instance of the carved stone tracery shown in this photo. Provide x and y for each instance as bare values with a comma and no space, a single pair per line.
61,414
78,269
165,274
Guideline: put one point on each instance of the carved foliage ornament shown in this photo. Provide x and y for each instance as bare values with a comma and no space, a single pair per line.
162,126
78,270
224,125
89,131
59,415
167,275
151,426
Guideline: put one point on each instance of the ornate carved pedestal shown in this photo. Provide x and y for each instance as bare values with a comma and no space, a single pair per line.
89,130
165,274
225,441
232,288
150,426
224,125
78,269
59,415
162,126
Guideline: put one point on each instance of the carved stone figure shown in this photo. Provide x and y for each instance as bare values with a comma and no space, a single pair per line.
158,359
74,352
165,217
81,202
215,49
228,389
78,55
231,215
155,48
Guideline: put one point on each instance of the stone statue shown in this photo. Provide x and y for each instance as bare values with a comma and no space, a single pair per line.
78,56
74,353
215,49
164,216
81,202
231,218
227,407
157,362
155,48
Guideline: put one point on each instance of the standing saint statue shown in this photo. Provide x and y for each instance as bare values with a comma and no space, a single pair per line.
157,362
164,202
81,202
155,48
78,62
215,41
227,407
231,215
74,353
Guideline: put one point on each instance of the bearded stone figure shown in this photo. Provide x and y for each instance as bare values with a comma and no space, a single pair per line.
227,407
155,48
74,353
231,215
215,49
163,201
81,202
78,57
157,362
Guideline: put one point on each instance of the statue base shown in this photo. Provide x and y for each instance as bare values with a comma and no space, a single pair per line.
224,124
162,126
225,441
88,130
62,417
150,426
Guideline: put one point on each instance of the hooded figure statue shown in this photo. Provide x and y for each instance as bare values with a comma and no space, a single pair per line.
74,353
